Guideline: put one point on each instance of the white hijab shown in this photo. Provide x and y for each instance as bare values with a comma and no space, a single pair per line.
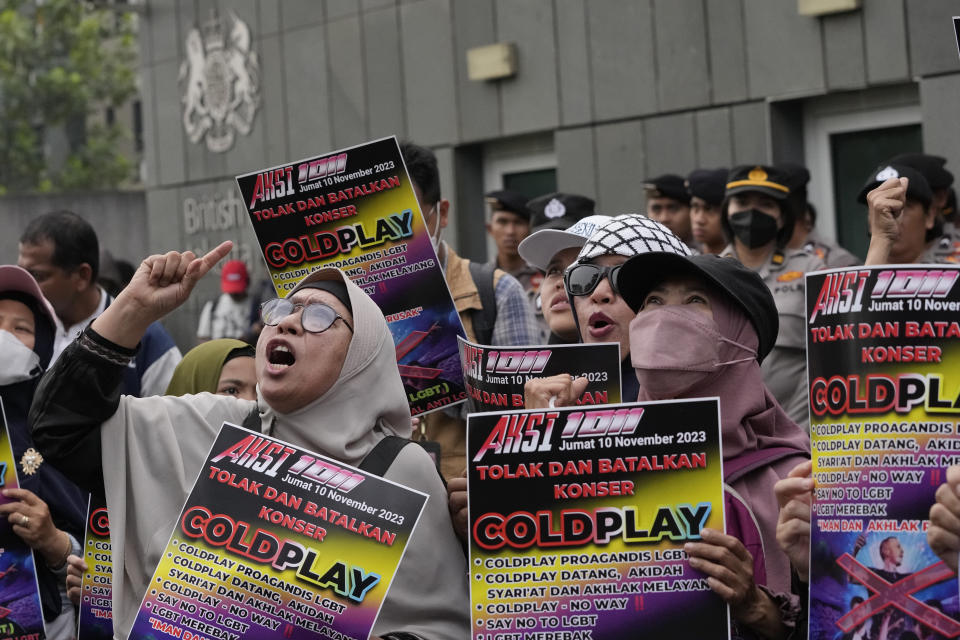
154,448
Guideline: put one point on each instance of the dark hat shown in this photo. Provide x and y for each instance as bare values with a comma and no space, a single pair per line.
930,166
795,176
917,189
768,180
559,210
667,186
512,201
707,184
745,287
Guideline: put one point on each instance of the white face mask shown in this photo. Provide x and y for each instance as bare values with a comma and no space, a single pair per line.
19,362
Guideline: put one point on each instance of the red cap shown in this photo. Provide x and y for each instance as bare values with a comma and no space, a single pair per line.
234,277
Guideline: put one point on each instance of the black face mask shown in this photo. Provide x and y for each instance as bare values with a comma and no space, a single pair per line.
753,227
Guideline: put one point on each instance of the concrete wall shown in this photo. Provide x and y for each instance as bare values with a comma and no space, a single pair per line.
628,88
119,218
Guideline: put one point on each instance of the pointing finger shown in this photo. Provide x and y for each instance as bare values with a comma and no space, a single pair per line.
577,387
170,267
200,266
185,259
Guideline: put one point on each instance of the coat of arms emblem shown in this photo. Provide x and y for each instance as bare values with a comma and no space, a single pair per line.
220,80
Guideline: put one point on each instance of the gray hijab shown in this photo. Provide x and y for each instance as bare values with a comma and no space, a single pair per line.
362,416
154,448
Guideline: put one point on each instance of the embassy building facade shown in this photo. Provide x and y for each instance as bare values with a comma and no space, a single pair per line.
536,95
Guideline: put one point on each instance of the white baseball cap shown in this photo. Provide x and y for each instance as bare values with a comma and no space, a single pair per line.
539,247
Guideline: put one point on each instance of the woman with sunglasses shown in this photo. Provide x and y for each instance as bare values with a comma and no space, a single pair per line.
327,381
599,312
552,249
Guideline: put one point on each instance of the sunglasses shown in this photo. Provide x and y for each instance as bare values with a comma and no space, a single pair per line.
317,317
582,279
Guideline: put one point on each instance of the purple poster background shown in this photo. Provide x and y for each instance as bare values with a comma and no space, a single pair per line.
578,517
96,602
275,542
883,349
21,614
355,209
496,376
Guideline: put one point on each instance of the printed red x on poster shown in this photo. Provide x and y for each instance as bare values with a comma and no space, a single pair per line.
897,594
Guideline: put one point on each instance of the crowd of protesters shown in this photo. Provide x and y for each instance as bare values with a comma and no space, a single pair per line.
703,291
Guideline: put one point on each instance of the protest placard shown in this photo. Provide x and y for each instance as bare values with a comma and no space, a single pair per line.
21,614
495,377
278,542
883,349
578,519
355,209
96,586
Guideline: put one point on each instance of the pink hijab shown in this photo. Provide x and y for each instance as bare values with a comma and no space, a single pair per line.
760,442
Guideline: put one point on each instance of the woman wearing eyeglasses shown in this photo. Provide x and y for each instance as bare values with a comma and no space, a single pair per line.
327,381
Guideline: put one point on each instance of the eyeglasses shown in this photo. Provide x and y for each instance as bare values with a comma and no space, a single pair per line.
317,317
582,279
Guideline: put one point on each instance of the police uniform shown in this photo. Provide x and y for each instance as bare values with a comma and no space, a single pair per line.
797,177
785,369
832,255
951,232
943,250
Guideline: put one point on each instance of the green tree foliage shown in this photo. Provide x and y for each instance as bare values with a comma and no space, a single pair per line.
60,61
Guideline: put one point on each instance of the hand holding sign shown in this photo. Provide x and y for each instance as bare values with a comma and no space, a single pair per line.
75,569
161,284
457,503
943,536
555,391
729,570
794,495
31,520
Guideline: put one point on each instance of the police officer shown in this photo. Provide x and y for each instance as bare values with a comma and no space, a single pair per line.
902,218
509,224
669,204
805,236
945,233
706,188
758,216
934,171
554,212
